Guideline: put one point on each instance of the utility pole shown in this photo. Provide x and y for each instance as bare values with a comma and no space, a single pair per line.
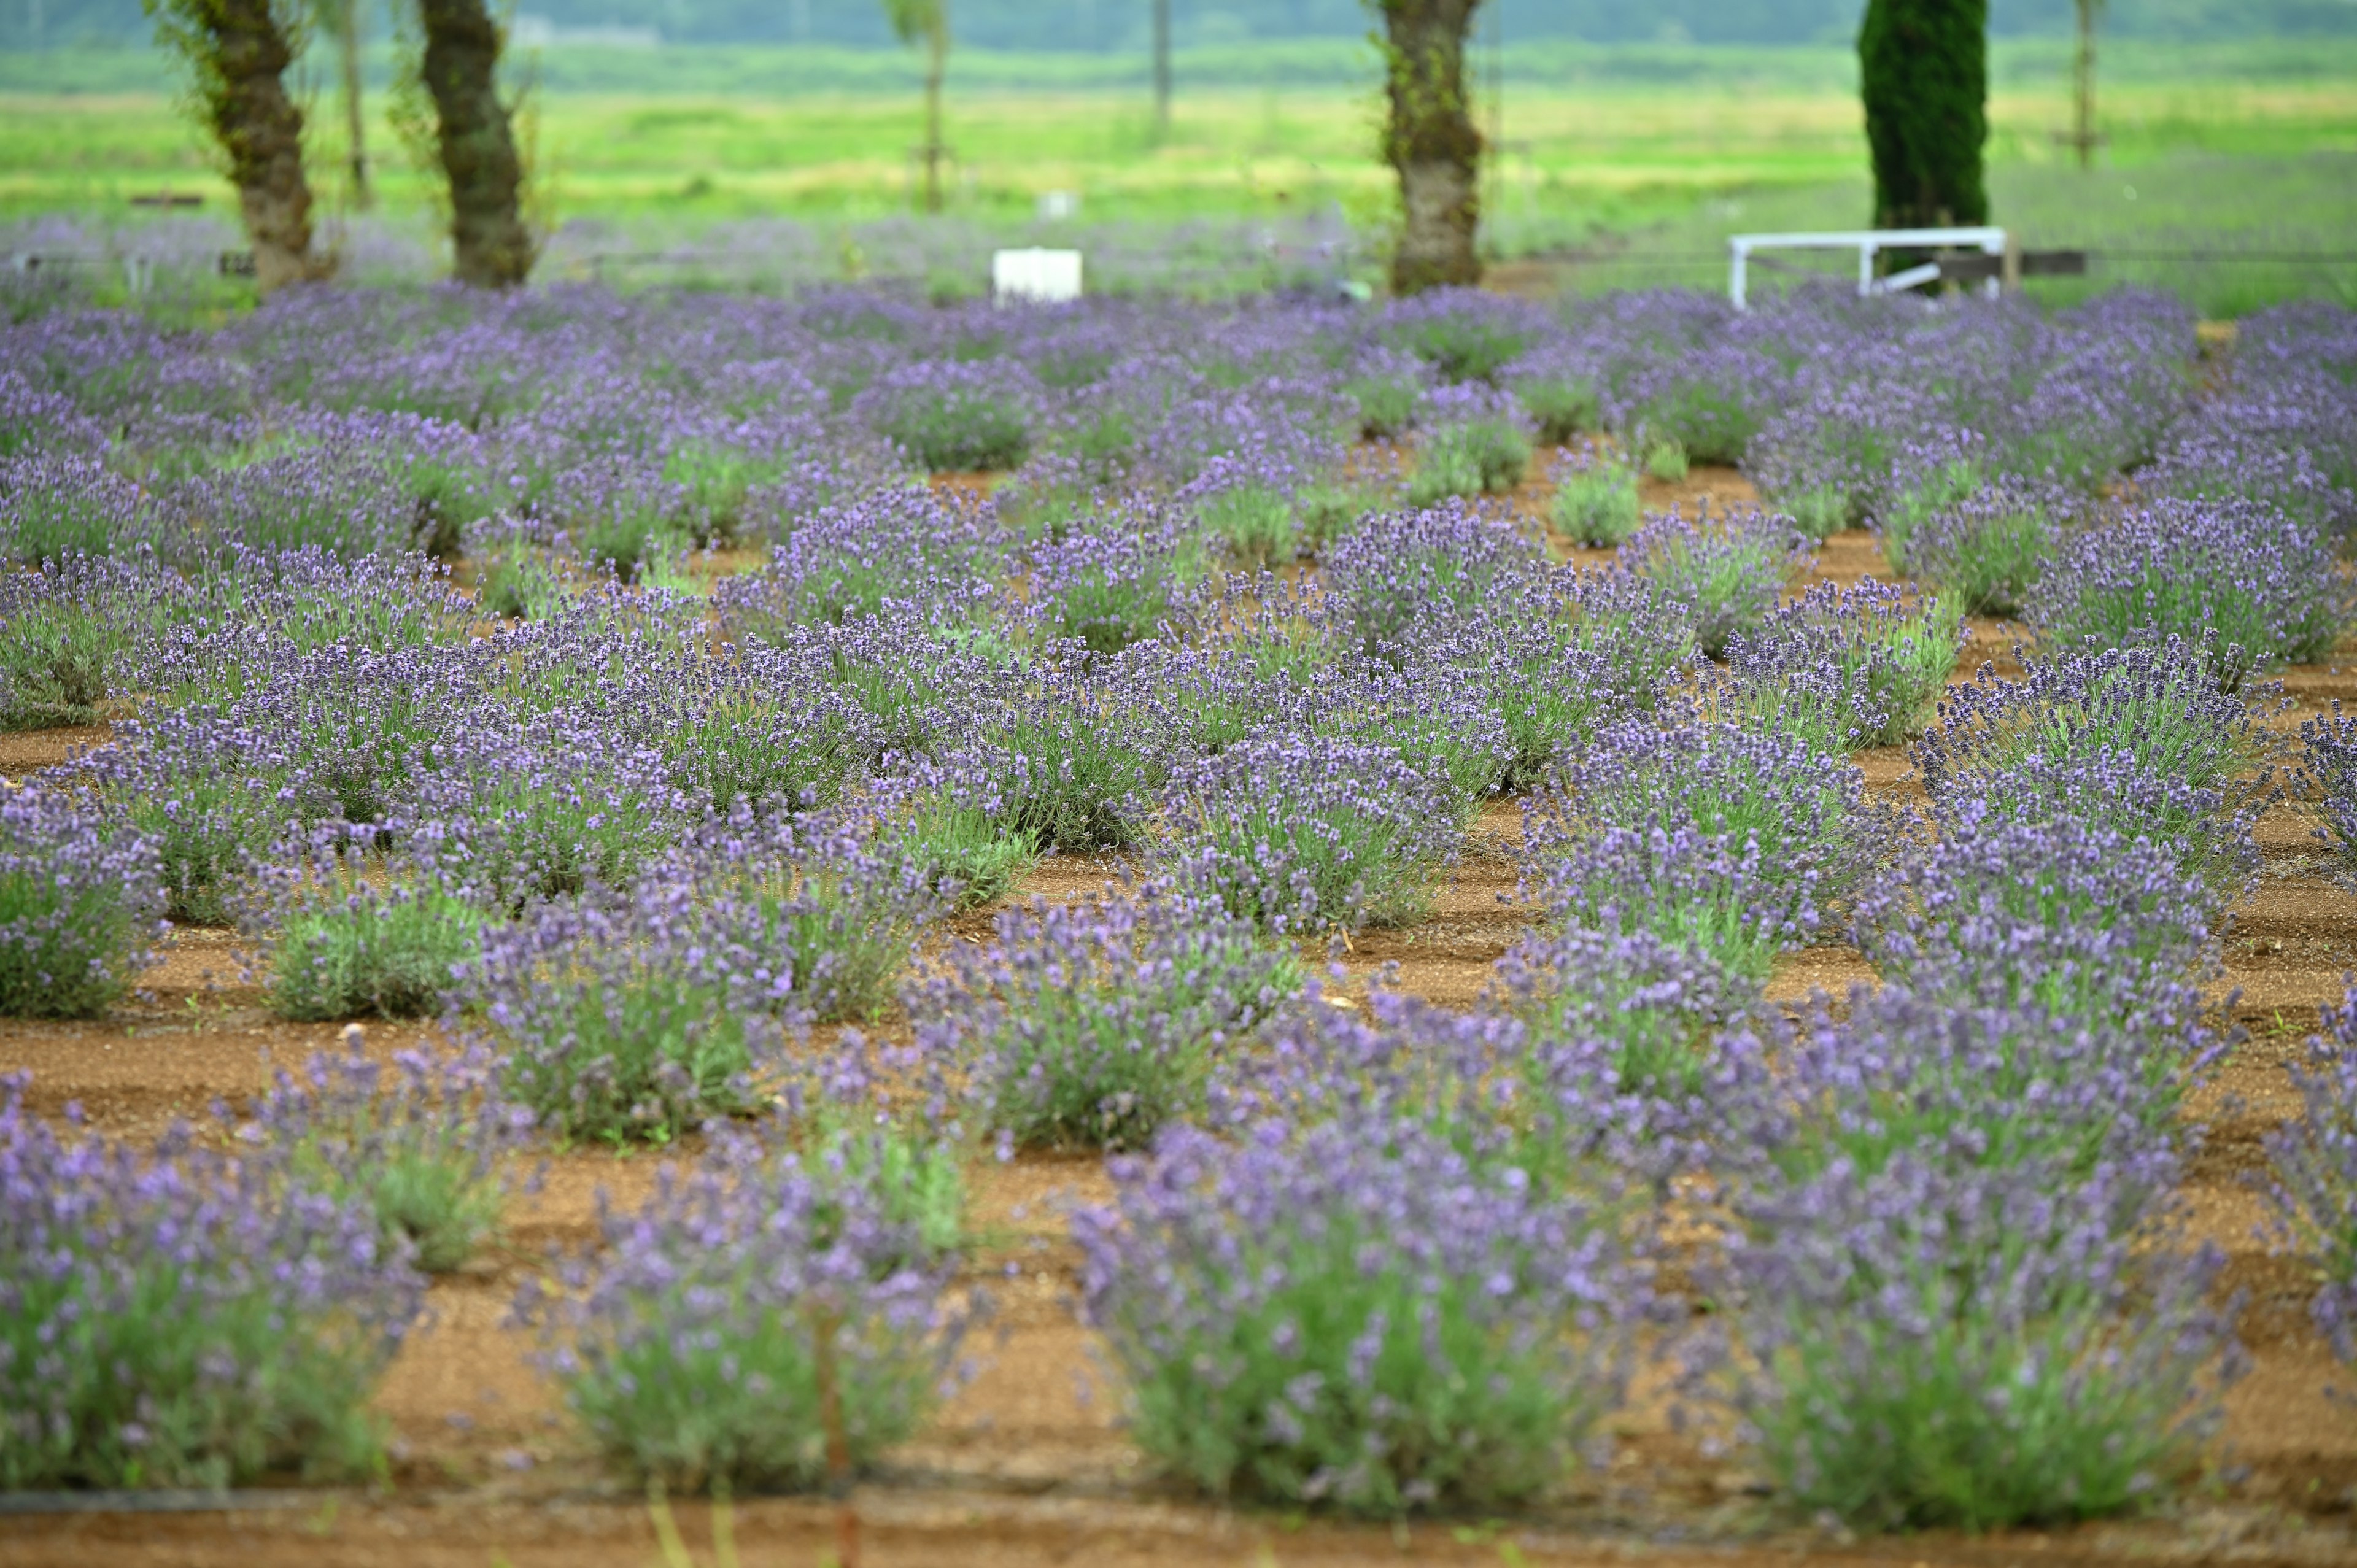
1161,67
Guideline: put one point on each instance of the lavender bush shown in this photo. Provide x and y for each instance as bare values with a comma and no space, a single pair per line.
1595,500
182,1316
1475,445
2254,589
425,1146
1353,1314
1848,667
1725,574
1990,547
1096,1025
629,1024
1794,818
2067,915
2310,1188
1305,835
79,904
2139,739
760,1292
1938,1343
1401,567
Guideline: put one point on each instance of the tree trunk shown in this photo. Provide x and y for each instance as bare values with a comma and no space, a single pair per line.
1924,71
1432,143
348,43
937,63
478,155
262,131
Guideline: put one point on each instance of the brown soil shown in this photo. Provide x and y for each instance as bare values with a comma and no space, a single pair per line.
1029,1463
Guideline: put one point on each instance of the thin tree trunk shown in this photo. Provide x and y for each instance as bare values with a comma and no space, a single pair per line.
262,131
478,155
936,68
2082,85
348,39
1432,143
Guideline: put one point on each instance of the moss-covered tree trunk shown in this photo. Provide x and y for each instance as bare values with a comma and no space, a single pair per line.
238,50
1923,70
1431,142
478,154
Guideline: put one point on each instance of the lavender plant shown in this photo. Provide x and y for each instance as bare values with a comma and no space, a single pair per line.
1725,574
759,1298
1595,500
1096,1025
350,947
1772,815
1303,835
426,1147
1942,1344
638,1023
79,900
1353,1314
2310,1188
2067,915
2139,739
2252,589
1988,548
1400,566
1848,667
1656,1006
1475,445
180,1317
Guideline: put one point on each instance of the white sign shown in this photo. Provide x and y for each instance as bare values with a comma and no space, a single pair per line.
1041,276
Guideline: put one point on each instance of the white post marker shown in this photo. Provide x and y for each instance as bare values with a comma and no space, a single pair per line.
1869,244
1036,275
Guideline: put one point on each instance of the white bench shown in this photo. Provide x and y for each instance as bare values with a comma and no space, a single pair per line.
1869,244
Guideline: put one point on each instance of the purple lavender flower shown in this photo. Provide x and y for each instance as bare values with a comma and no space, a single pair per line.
2312,1185
1727,573
1302,835
758,1297
79,900
1096,1025
2255,590
183,1316
1354,1314
427,1146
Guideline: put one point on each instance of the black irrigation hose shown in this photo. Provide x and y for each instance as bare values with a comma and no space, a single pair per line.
169,1501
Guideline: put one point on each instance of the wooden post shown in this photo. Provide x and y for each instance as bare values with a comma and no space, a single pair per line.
2082,85
1161,67
838,1445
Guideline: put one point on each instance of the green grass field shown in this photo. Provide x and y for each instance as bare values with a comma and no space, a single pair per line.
1655,151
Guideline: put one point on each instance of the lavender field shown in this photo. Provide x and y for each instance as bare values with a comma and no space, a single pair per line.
1262,928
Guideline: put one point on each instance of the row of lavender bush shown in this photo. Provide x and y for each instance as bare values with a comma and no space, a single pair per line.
634,843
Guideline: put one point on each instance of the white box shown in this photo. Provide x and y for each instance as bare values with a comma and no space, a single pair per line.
1038,276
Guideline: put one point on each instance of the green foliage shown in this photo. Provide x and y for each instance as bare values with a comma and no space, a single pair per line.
1479,456
1597,506
1665,459
1923,74
368,952
55,660
1561,407
1259,524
